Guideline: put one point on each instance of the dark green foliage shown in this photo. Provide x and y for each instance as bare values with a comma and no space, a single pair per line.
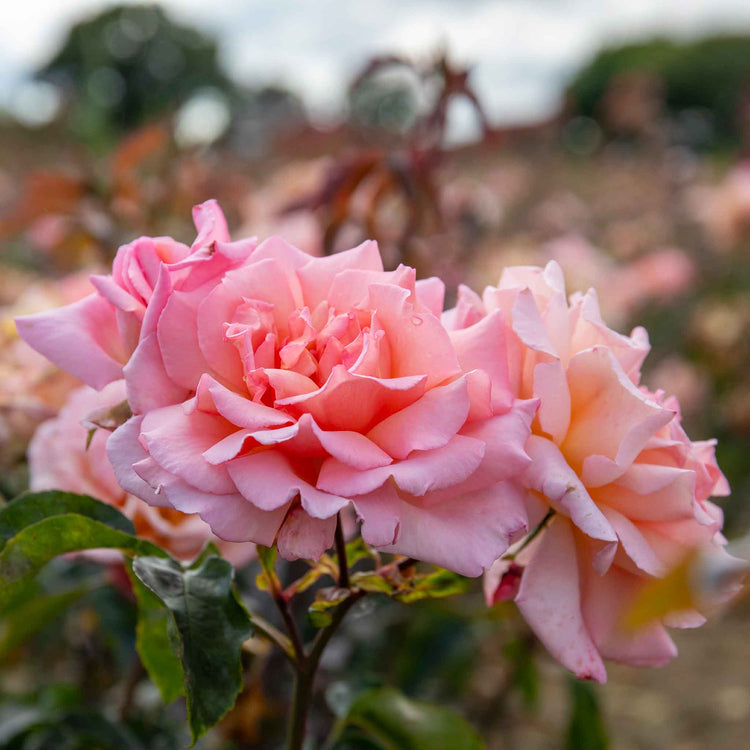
586,730
386,719
37,506
152,639
211,627
130,63
34,613
55,717
711,73
525,677
34,531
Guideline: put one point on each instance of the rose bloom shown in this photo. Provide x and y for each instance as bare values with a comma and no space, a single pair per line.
629,489
59,459
271,390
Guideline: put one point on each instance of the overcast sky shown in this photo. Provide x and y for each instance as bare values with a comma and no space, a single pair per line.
523,50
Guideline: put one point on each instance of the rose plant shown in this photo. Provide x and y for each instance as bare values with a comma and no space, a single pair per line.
272,393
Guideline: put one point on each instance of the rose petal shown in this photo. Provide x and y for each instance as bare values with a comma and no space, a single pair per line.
211,225
81,338
176,440
317,275
268,480
148,385
483,346
550,601
428,423
421,472
419,344
467,542
124,450
605,602
302,537
612,419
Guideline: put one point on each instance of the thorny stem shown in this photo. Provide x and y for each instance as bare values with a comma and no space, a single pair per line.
531,536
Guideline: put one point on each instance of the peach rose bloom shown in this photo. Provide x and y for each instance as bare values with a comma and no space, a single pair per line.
628,489
59,459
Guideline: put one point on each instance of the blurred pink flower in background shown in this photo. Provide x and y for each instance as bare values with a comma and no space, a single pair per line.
724,209
265,208
656,277
59,459
48,231
584,264
32,388
629,489
690,384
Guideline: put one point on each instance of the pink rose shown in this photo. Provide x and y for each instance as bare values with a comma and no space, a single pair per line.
629,489
272,392
59,459
93,338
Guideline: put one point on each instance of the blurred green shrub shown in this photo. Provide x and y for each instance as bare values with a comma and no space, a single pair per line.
711,74
129,63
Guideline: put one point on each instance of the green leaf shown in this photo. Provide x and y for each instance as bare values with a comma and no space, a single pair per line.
357,550
319,613
325,566
212,626
308,579
396,722
267,580
153,641
435,585
209,550
372,583
267,557
26,553
586,730
32,615
30,508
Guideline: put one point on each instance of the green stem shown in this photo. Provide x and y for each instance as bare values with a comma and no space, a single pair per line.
291,627
305,674
532,535
301,700
268,631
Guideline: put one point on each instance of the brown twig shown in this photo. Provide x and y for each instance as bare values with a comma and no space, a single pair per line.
341,554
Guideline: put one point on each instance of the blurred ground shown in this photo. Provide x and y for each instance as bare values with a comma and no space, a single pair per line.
701,699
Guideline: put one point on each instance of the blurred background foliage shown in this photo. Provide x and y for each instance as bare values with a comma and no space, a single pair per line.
129,64
705,79
639,185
